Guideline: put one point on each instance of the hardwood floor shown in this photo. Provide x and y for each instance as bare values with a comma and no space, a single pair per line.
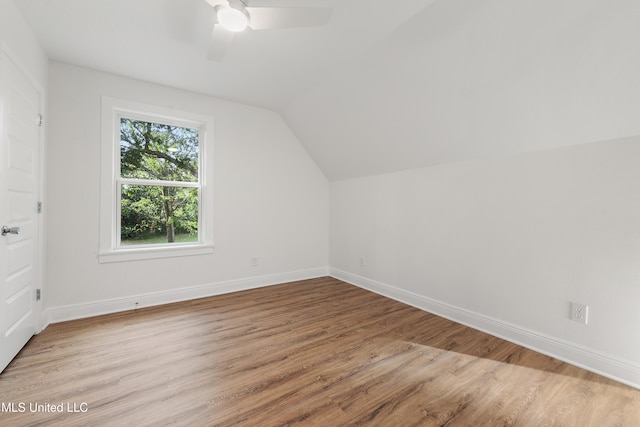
311,353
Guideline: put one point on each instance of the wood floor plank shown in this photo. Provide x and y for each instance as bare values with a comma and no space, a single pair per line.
312,353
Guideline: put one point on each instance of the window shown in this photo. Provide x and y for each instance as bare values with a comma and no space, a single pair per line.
155,200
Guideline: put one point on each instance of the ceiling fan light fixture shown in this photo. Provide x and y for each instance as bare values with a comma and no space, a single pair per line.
232,19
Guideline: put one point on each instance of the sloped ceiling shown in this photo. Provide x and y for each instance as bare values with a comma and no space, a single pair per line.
386,86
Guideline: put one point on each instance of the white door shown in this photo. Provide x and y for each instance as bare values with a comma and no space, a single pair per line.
19,189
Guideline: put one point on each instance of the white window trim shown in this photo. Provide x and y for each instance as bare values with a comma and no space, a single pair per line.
112,110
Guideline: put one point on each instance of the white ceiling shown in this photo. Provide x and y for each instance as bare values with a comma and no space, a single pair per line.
165,41
387,85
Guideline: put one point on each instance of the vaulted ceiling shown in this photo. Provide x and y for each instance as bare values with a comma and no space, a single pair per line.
386,86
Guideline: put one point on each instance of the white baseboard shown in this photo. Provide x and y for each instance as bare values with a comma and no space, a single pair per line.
606,365
96,308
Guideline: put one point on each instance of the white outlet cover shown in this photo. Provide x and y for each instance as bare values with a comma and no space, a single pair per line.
579,312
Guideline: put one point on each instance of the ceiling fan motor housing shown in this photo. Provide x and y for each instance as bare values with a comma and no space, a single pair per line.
233,17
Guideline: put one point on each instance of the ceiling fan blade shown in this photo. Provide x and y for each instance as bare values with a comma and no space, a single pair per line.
219,43
264,18
214,3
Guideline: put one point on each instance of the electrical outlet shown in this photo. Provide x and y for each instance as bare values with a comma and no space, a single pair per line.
362,261
254,261
579,312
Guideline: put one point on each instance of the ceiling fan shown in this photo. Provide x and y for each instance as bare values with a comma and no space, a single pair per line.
234,16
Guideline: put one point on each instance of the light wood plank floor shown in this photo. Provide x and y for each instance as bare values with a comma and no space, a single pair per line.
311,353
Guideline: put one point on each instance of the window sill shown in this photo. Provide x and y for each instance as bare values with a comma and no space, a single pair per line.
136,254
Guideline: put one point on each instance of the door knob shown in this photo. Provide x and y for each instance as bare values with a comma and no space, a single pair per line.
10,230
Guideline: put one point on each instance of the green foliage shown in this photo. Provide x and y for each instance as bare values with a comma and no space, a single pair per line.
158,151
153,151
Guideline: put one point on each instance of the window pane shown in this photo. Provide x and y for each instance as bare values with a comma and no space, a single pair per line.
158,151
153,214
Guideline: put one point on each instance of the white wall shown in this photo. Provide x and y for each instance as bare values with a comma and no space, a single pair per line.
271,201
505,244
20,42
